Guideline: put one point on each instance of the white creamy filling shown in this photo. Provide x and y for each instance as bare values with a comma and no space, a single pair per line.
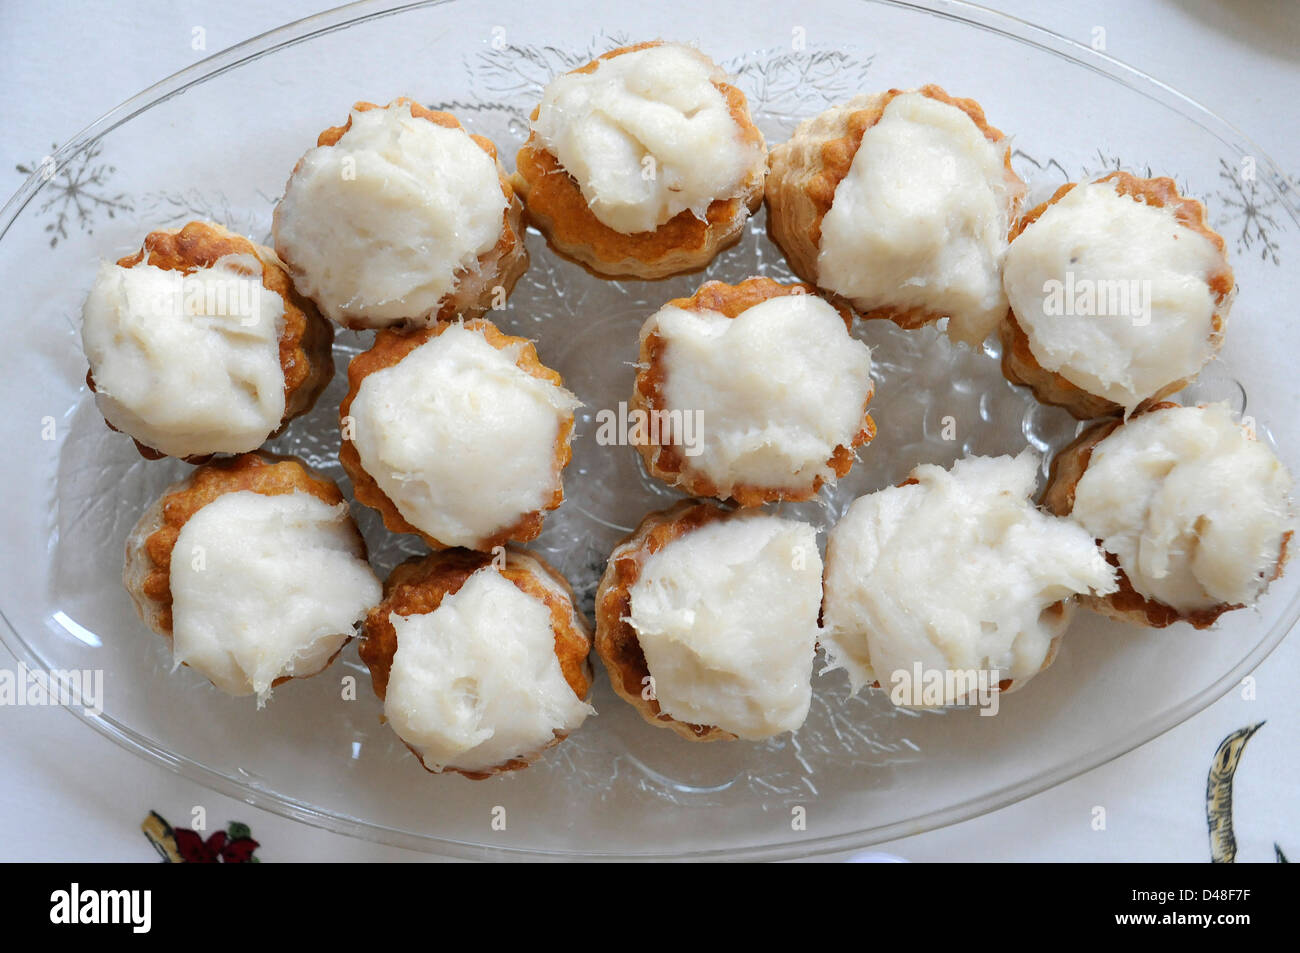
1193,508
188,364
646,135
921,219
377,225
776,389
727,618
476,682
954,573
459,438
265,587
1113,293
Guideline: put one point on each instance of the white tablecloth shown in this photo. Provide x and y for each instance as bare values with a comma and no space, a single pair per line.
67,793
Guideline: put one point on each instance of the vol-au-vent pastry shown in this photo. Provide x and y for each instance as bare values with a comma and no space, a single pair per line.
456,432
400,216
642,163
901,203
706,620
754,392
199,345
481,661
254,570
1119,292
954,571
1192,508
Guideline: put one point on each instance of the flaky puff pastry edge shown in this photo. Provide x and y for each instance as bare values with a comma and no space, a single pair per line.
418,586
306,341
667,462
1126,604
146,573
495,272
556,206
805,171
391,345
1018,362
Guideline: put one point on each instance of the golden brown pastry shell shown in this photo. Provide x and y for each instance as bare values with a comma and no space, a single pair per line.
1126,604
306,342
556,206
805,172
616,639
500,267
1018,362
391,345
149,548
667,462
418,586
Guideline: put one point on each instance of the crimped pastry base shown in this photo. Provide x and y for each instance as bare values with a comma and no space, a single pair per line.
494,274
616,640
667,462
306,342
806,170
389,348
147,570
1126,604
1018,362
683,244
418,586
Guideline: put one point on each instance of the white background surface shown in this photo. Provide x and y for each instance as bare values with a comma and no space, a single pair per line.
66,793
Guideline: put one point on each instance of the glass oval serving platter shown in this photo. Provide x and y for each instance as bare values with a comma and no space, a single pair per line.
217,142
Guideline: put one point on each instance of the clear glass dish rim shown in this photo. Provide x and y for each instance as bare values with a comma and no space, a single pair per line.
282,805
